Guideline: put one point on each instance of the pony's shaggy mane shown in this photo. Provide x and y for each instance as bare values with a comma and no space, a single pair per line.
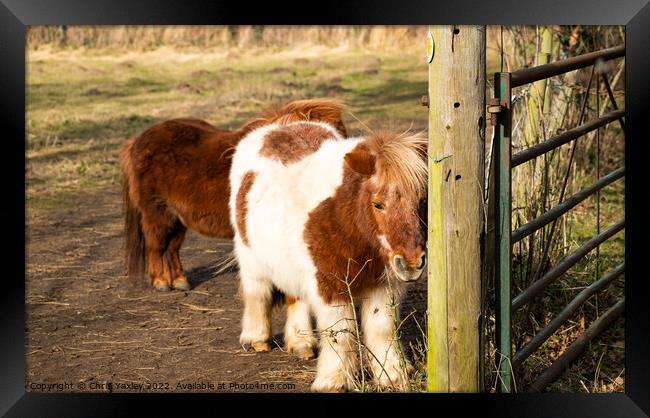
401,160
328,110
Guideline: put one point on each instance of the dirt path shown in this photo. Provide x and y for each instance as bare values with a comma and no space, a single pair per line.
88,327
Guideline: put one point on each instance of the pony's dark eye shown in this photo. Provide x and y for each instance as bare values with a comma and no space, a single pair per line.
378,205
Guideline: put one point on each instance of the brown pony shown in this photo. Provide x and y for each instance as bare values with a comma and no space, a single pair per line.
175,177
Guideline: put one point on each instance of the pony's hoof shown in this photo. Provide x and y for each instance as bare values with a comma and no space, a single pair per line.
332,384
161,285
261,346
302,351
396,379
181,283
305,353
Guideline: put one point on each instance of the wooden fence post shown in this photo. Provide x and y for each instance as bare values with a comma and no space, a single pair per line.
456,212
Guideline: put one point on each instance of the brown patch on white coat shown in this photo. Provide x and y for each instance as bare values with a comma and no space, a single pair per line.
294,142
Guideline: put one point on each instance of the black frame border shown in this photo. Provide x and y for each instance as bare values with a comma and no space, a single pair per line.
16,15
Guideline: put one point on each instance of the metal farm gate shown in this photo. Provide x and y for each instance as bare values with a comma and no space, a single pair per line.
500,109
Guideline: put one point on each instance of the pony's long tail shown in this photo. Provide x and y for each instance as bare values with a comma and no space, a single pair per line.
134,238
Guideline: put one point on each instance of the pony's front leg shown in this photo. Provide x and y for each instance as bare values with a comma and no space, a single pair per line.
337,359
389,367
299,337
256,322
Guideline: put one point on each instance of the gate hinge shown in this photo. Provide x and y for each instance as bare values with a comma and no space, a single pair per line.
493,108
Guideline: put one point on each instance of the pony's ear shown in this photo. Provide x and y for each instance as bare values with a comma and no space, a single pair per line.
361,161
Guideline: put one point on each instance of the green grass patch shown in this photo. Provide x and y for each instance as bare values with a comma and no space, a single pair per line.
55,202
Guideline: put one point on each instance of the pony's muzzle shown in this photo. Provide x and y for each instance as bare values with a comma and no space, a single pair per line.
409,272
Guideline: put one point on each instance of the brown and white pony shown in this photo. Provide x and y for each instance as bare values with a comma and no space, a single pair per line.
326,220
175,177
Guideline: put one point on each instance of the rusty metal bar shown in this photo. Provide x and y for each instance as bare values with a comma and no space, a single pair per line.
529,75
578,346
564,265
537,223
565,137
565,314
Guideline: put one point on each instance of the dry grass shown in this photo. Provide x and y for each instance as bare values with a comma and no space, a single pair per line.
415,369
373,38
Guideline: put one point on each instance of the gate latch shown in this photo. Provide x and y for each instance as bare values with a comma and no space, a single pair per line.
494,107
